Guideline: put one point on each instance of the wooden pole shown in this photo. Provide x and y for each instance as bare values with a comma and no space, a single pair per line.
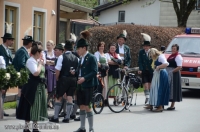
58,21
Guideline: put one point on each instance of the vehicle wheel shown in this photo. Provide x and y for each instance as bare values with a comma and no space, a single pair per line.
98,103
117,98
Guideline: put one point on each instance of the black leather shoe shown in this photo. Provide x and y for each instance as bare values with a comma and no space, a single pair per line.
72,117
91,130
6,114
62,114
36,130
54,120
26,130
171,108
65,120
77,119
80,130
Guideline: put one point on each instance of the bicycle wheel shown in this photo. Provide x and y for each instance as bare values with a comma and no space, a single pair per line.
130,98
98,103
117,98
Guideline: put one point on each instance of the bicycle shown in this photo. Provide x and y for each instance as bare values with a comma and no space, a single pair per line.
97,101
123,91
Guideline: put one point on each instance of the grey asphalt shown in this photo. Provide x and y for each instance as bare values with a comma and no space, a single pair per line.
186,118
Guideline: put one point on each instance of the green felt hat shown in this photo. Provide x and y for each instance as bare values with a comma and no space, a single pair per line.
59,46
146,43
82,43
28,38
69,44
7,36
122,36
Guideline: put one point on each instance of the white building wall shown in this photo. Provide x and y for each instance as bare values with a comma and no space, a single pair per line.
168,16
134,12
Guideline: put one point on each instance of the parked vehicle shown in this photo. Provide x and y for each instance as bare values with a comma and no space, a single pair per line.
189,48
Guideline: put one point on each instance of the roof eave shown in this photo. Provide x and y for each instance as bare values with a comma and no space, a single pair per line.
76,6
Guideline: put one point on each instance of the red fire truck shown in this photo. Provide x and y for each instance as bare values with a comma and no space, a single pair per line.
189,48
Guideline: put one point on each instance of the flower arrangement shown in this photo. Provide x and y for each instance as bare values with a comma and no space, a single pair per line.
10,78
4,78
23,77
13,77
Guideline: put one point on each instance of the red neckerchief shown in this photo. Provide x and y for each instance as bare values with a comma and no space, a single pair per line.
172,56
114,55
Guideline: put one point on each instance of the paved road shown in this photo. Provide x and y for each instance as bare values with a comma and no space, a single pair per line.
186,118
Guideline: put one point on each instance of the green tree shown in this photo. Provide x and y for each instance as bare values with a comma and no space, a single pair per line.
182,8
86,3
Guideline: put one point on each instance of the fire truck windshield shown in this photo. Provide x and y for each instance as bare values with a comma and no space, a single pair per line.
189,45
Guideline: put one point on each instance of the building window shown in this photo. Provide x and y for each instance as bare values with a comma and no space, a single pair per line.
10,17
121,16
38,26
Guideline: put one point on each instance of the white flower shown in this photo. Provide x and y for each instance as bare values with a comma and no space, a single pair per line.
19,74
7,76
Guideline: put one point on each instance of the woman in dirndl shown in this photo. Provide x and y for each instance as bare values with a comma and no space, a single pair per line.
50,65
102,60
32,106
113,75
175,64
159,90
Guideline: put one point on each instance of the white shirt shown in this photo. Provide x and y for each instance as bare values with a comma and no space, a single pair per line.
98,55
2,63
32,65
109,56
60,60
179,60
121,50
162,59
53,55
82,60
147,52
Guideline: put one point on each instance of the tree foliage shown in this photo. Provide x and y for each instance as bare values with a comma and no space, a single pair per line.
182,8
86,3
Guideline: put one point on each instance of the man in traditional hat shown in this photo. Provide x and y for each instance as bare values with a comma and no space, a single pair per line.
58,50
8,41
87,80
123,50
21,57
145,68
66,82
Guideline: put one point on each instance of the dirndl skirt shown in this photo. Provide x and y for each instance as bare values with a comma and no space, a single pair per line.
175,85
159,91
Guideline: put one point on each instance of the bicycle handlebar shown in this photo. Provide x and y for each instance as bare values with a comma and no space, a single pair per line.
127,70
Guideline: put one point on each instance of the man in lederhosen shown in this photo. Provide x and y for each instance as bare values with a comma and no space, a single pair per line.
87,71
66,82
145,68
123,50
8,41
21,57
